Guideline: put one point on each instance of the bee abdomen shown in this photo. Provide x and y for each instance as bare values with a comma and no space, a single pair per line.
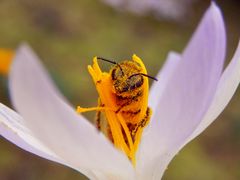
131,112
133,97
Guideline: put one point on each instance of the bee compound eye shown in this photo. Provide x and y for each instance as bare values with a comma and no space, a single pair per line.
125,88
135,82
113,74
117,73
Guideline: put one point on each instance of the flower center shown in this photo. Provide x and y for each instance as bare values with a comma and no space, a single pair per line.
123,101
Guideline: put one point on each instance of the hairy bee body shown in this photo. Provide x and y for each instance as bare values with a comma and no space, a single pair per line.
127,82
127,87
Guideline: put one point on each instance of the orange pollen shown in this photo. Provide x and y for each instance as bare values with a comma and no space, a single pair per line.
6,56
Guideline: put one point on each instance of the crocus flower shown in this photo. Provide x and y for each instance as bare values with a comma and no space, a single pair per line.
193,89
170,10
6,56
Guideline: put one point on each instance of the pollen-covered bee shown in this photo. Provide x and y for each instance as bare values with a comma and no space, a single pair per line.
123,96
127,79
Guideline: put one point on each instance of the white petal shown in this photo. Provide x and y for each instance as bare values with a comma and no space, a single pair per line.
163,76
56,124
156,91
187,96
12,128
225,90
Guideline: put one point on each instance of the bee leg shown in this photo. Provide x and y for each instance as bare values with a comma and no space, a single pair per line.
142,123
146,118
109,134
98,115
98,120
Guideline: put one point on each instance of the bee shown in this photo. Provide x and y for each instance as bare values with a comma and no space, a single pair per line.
127,87
123,94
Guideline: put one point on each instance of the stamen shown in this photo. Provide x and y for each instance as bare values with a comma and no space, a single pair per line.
104,89
144,103
82,110
126,130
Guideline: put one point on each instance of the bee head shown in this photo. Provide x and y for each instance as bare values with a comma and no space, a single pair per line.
126,77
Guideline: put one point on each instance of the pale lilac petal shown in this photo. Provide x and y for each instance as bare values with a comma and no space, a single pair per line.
57,125
163,76
13,129
170,9
226,88
187,95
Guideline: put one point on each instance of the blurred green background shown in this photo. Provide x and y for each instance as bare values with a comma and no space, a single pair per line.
67,34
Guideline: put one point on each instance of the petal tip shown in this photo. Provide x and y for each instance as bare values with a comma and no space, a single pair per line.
24,47
214,8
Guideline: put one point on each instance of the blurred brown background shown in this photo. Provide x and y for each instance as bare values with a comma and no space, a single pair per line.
67,34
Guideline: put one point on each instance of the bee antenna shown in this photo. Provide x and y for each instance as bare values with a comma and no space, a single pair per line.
111,61
103,59
144,75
